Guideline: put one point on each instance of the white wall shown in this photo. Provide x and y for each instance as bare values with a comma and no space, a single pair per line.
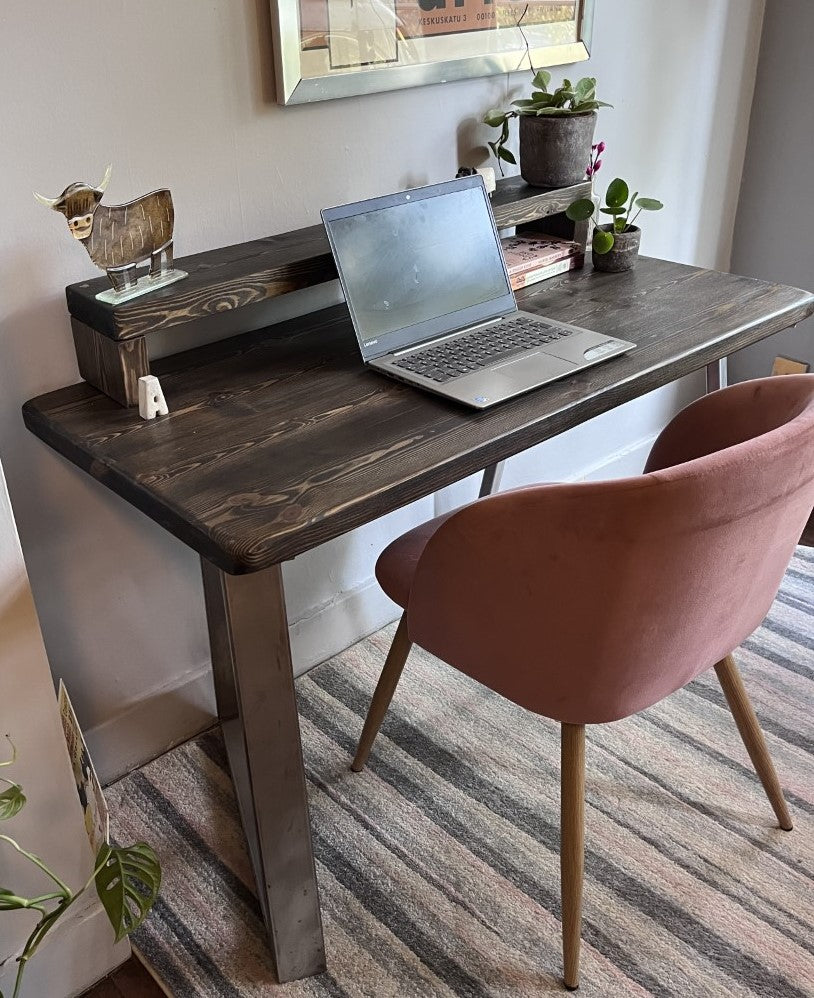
180,94
79,949
775,218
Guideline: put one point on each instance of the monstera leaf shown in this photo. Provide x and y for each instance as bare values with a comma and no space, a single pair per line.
12,801
127,881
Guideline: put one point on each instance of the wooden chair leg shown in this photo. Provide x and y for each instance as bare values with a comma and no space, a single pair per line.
386,687
752,735
572,845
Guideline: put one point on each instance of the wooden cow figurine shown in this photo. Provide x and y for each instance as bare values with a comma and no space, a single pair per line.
118,237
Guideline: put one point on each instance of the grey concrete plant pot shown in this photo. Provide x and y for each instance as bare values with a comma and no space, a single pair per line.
623,255
555,149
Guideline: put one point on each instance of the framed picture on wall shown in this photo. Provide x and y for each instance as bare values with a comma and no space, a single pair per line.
338,48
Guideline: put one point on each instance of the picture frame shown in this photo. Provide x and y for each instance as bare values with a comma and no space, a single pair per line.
327,49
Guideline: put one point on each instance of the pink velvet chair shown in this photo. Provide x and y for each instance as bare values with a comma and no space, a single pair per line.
589,602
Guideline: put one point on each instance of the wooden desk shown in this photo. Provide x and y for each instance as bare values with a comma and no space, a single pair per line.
280,440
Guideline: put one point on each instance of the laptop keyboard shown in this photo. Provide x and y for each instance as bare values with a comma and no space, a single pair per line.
455,358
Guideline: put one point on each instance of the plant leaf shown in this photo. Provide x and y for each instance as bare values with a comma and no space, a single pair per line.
579,210
12,801
495,118
649,204
8,905
524,103
617,193
585,89
553,111
603,241
541,98
127,882
506,154
13,759
541,79
612,211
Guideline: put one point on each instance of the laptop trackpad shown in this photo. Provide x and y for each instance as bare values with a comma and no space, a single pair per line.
531,370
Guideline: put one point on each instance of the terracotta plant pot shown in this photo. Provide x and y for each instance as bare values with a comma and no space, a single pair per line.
555,149
623,255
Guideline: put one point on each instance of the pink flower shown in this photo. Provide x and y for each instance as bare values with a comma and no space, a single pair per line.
600,148
597,164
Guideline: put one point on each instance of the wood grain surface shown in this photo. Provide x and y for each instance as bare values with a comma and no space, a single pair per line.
235,276
112,367
515,202
280,439
219,280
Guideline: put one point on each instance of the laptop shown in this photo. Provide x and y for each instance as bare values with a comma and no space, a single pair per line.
431,301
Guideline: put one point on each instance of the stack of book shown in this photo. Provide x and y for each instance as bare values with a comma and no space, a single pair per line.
532,258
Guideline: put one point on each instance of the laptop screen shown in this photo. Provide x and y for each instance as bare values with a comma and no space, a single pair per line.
419,264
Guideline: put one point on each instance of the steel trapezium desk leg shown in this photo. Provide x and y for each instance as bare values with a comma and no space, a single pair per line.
257,707
490,483
716,375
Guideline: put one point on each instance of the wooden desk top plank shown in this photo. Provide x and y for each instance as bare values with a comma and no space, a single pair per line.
276,443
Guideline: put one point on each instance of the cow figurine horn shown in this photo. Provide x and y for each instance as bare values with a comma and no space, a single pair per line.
48,202
106,179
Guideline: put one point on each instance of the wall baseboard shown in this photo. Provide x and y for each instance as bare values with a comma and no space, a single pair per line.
152,725
170,715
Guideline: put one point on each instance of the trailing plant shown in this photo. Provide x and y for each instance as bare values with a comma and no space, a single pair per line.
127,880
616,197
567,99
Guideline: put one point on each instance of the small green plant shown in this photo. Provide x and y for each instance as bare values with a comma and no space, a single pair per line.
567,99
127,880
616,197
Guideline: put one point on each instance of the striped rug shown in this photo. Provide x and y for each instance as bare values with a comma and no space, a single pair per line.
438,866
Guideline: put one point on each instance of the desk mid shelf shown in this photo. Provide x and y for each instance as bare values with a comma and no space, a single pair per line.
112,340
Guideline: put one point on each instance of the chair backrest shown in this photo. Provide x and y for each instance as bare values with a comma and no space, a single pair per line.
588,602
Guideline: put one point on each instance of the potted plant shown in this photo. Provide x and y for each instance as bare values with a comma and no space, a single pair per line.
615,244
556,131
127,880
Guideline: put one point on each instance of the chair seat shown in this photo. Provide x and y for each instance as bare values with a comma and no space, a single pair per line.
397,563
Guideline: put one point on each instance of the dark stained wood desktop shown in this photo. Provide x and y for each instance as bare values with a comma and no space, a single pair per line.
280,440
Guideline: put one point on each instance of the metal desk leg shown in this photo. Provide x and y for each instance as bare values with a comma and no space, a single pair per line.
490,482
716,375
257,707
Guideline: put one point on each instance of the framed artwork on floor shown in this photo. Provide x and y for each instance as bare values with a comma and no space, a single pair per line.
339,48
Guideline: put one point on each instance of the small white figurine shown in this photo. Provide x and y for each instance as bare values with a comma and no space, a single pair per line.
151,402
